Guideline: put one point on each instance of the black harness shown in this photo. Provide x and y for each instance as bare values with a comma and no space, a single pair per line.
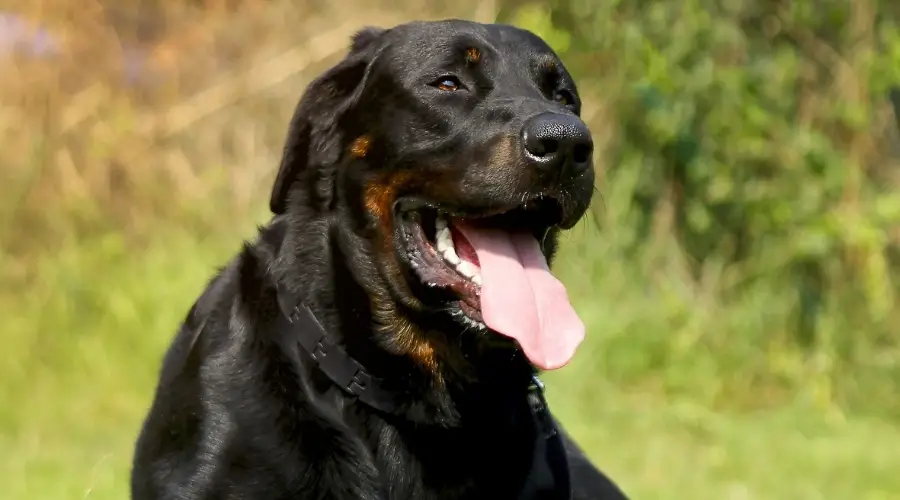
549,475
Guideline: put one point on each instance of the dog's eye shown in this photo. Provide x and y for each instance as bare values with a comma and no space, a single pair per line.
448,83
564,97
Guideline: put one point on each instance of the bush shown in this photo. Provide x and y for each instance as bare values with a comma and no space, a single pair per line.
751,145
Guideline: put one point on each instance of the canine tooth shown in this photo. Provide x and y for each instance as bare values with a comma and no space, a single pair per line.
445,246
444,239
446,236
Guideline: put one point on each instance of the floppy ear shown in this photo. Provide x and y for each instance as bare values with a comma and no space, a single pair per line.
313,132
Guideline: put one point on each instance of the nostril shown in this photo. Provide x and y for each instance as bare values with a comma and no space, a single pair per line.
546,147
581,153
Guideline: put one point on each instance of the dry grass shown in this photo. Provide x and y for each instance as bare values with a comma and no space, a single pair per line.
84,148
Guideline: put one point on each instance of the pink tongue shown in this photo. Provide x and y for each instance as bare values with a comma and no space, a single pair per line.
521,299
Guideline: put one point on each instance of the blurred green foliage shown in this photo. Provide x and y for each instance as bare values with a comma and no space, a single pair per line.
753,142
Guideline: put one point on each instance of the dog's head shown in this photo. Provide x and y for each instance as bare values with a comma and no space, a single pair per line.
450,153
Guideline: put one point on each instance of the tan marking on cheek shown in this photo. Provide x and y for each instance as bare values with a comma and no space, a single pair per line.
379,198
360,146
473,55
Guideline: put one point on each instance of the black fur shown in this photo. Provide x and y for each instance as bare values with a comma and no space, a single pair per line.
239,414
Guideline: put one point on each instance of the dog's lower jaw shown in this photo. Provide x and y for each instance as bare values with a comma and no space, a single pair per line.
442,363
451,371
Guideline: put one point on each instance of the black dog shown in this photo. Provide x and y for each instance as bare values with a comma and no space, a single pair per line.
380,338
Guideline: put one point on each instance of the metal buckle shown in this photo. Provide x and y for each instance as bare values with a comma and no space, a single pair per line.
356,384
319,353
295,314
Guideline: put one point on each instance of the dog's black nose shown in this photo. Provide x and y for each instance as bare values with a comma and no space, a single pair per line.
554,141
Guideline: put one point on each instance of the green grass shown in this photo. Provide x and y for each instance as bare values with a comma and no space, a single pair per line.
86,326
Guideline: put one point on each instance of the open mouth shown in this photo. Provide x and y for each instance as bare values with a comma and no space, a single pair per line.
442,257
488,270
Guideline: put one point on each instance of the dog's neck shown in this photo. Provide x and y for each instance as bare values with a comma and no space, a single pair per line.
310,257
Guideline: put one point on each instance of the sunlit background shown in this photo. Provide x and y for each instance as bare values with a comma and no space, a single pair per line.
738,272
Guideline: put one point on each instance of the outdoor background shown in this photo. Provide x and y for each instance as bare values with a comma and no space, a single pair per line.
738,271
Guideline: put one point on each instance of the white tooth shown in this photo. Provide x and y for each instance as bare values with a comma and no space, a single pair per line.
444,244
450,256
444,239
466,269
476,279
440,238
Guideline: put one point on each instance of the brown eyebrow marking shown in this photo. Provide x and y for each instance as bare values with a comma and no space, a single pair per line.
473,55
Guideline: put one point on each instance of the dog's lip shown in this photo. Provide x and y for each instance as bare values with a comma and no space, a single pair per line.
413,206
431,269
539,203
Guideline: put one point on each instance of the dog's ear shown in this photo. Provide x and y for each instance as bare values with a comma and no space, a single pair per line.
313,130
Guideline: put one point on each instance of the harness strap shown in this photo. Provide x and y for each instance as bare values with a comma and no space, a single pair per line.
346,373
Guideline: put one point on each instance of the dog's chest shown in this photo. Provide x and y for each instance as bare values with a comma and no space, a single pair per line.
453,466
